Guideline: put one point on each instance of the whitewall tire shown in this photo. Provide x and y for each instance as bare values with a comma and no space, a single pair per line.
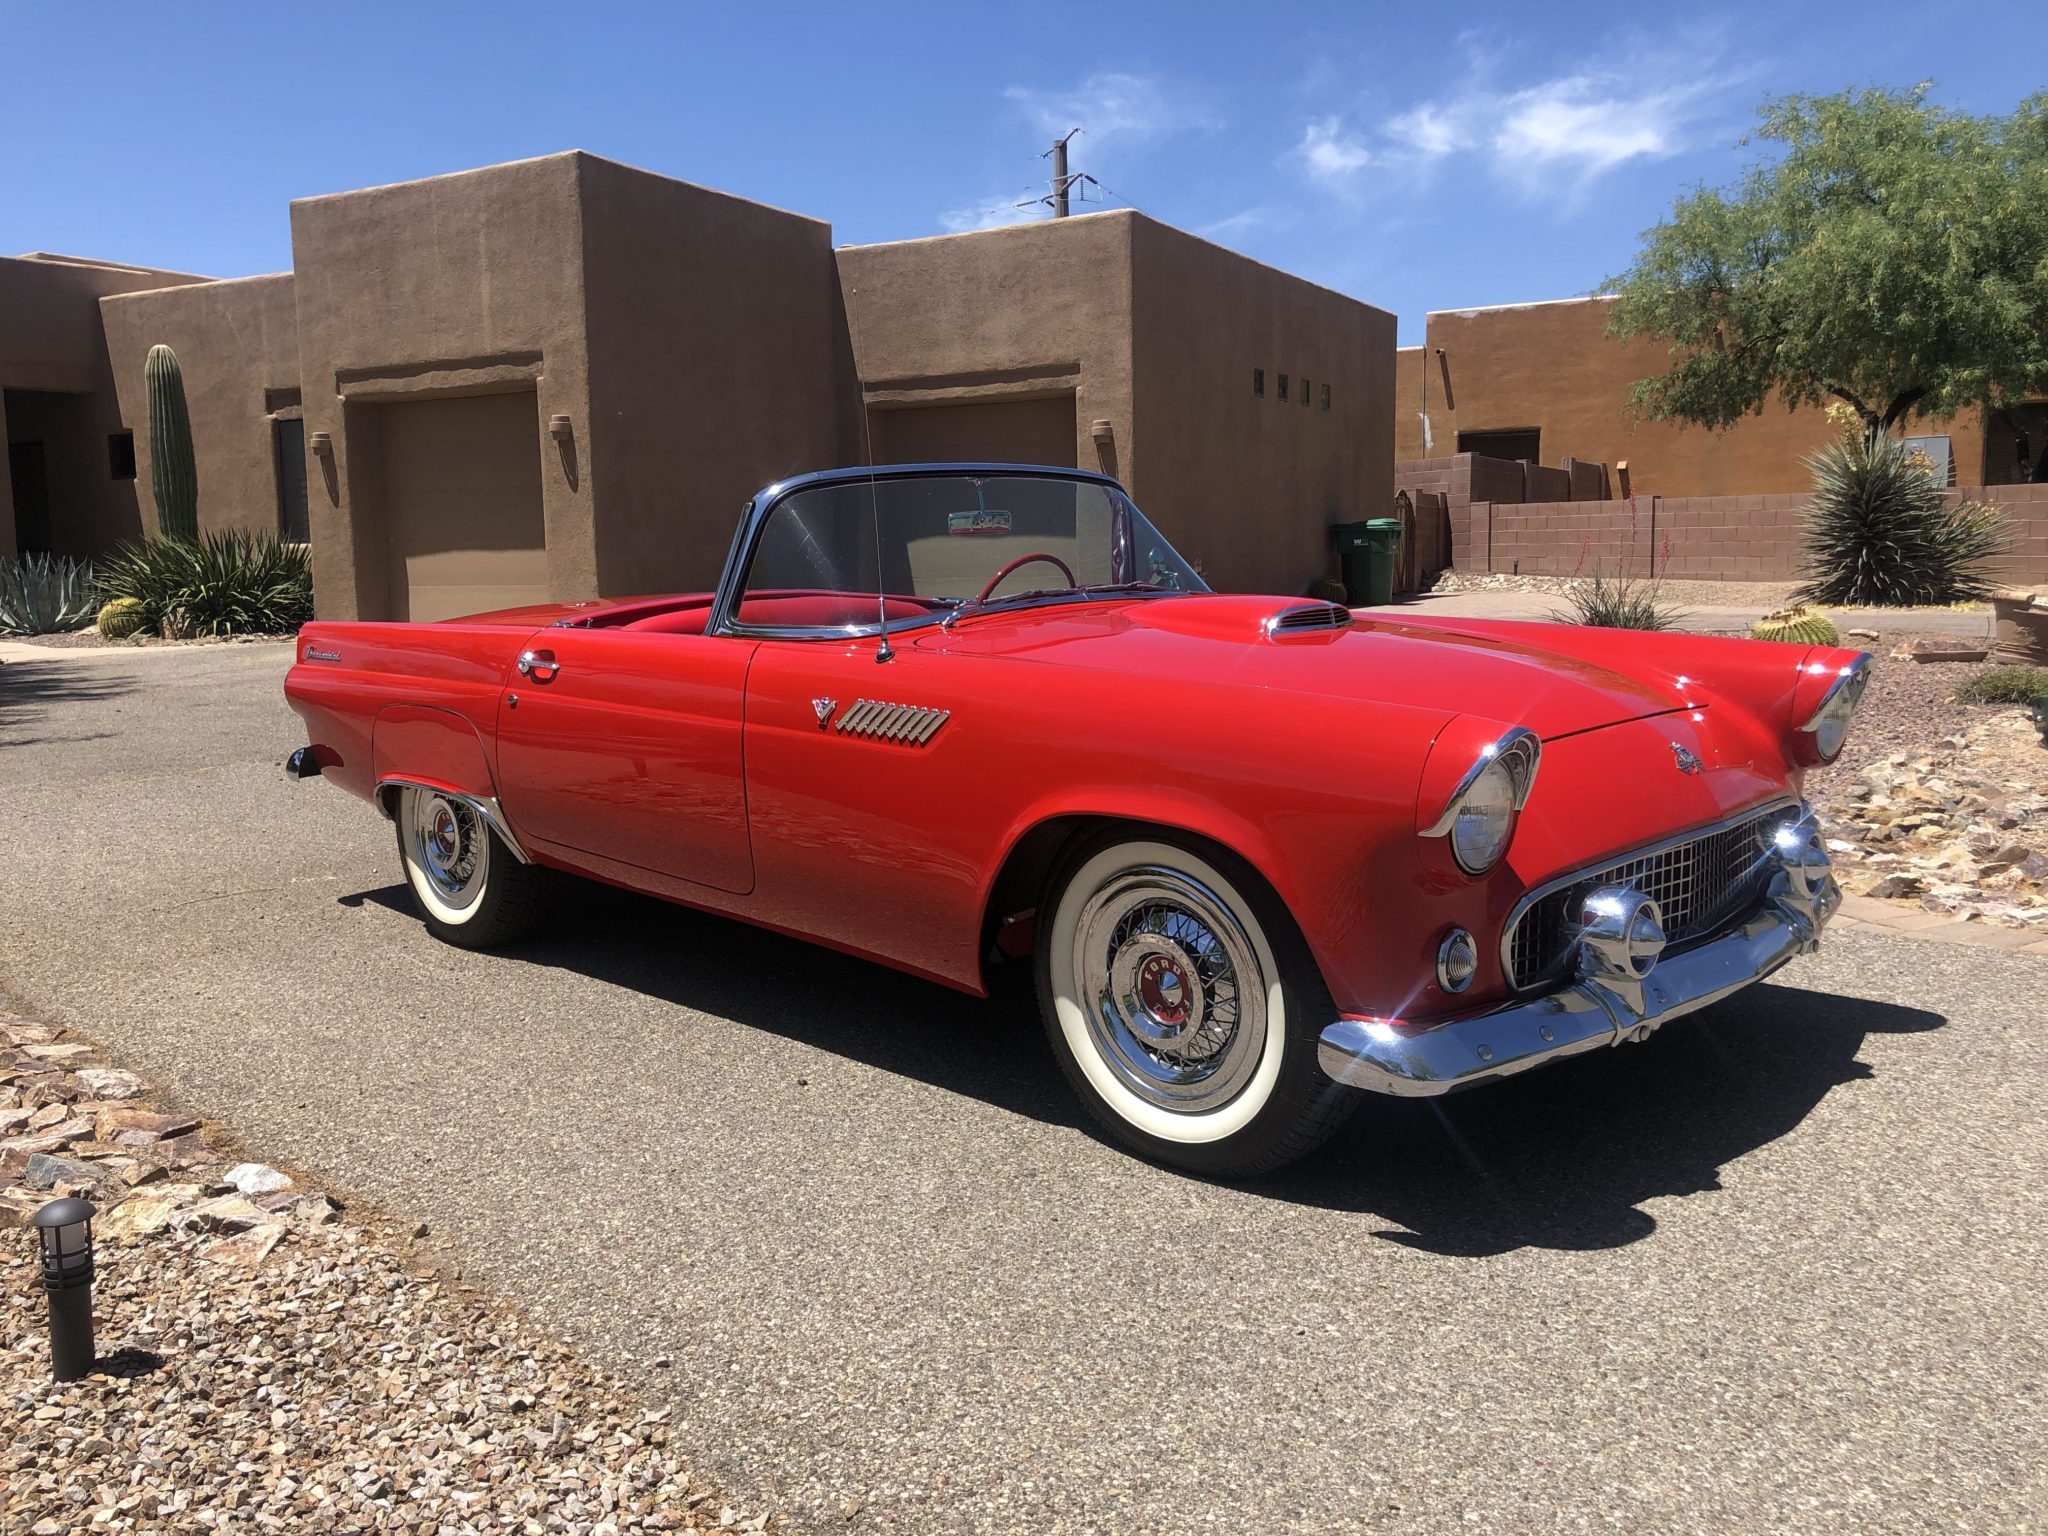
470,888
1183,1004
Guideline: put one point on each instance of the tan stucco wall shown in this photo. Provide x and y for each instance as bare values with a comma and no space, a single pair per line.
1552,367
718,364
1033,311
1246,486
50,340
237,347
470,283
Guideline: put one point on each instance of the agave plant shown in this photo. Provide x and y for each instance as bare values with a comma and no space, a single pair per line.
229,583
1879,533
43,594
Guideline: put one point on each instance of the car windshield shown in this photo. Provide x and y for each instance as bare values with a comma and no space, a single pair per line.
846,556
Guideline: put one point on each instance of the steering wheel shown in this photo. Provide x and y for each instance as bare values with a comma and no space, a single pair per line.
1018,564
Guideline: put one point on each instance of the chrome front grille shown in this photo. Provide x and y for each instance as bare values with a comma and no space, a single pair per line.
1698,882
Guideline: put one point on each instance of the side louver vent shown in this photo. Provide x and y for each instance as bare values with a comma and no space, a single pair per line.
1308,617
905,723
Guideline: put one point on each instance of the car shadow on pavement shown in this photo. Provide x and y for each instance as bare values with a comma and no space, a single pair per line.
989,1049
1561,1158
1564,1158
29,690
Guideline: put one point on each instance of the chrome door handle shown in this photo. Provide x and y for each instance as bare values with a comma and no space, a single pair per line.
541,666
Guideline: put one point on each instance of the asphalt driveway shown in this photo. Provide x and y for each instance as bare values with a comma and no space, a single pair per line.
1782,1268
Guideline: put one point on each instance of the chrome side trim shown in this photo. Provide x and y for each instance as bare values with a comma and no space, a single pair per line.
1625,856
1382,1056
1519,750
909,724
486,807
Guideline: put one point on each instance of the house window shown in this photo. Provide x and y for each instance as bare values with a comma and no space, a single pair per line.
1326,397
288,445
1518,443
1258,383
1283,389
1941,463
1306,399
121,455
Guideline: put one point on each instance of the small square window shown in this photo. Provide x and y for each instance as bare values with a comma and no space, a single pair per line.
1283,389
1326,397
1258,383
121,455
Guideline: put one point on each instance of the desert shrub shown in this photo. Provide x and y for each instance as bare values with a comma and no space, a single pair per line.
45,594
1879,535
122,618
1623,603
2004,685
232,583
1797,625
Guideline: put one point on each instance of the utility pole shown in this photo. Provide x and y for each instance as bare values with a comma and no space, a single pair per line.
1060,179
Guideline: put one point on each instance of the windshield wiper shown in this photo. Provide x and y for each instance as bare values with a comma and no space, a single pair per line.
1127,586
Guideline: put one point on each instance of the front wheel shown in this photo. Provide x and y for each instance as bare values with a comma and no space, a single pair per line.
1184,1006
469,886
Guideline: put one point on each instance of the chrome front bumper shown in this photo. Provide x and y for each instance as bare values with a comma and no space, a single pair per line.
1615,998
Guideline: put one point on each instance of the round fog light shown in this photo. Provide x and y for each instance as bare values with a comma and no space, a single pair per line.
1457,961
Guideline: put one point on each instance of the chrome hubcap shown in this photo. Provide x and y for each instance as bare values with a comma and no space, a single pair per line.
1175,999
449,847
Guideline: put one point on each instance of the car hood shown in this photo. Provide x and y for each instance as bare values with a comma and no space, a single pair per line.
1217,640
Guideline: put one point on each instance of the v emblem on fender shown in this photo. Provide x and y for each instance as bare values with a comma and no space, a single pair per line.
824,708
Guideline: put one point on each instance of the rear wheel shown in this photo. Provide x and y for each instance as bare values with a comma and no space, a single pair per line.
1184,1006
470,888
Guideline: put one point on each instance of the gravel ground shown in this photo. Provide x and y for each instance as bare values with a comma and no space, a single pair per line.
1908,707
1676,594
90,639
274,1364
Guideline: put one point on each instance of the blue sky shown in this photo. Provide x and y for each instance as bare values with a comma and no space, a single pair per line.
1419,157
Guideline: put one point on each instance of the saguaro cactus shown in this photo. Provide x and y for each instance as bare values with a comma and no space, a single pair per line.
173,475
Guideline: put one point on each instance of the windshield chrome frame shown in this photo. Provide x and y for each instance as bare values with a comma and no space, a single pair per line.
763,506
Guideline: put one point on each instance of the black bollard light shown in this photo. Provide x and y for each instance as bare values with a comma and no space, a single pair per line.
65,1228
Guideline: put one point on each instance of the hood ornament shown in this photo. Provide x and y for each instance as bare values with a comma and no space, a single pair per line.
823,709
1688,761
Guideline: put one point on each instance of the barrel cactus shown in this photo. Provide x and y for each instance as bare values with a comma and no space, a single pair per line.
173,473
122,618
1797,625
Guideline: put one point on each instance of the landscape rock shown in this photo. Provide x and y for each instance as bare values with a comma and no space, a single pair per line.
45,1169
139,1127
110,1082
256,1179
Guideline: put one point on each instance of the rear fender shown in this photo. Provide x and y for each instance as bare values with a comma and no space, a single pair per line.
417,744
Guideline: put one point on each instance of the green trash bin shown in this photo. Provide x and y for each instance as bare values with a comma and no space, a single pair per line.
1365,552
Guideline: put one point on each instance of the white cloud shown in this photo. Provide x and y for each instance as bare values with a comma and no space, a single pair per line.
1112,109
1331,152
1556,135
996,213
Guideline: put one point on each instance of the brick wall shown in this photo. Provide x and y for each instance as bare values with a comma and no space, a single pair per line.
1465,480
1701,538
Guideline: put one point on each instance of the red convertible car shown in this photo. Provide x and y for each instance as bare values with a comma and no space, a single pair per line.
1262,852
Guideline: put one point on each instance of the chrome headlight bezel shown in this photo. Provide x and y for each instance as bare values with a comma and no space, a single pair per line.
1828,725
1512,757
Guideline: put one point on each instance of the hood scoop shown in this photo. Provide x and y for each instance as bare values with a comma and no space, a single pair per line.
1306,619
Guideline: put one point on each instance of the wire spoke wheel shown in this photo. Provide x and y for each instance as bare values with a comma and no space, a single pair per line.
1173,988
449,845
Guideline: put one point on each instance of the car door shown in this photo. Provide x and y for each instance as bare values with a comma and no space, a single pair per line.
627,745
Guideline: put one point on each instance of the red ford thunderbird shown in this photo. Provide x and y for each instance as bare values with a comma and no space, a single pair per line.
1262,853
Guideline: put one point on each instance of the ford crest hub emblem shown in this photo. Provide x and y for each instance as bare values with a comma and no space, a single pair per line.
1688,761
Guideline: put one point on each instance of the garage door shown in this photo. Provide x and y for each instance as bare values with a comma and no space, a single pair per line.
461,492
1000,431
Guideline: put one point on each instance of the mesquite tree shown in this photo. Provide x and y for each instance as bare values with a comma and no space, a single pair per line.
1893,257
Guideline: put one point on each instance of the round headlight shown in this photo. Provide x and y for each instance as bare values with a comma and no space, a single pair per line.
1486,817
1830,731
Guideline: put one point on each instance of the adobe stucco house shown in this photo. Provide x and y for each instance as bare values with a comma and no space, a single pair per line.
562,377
